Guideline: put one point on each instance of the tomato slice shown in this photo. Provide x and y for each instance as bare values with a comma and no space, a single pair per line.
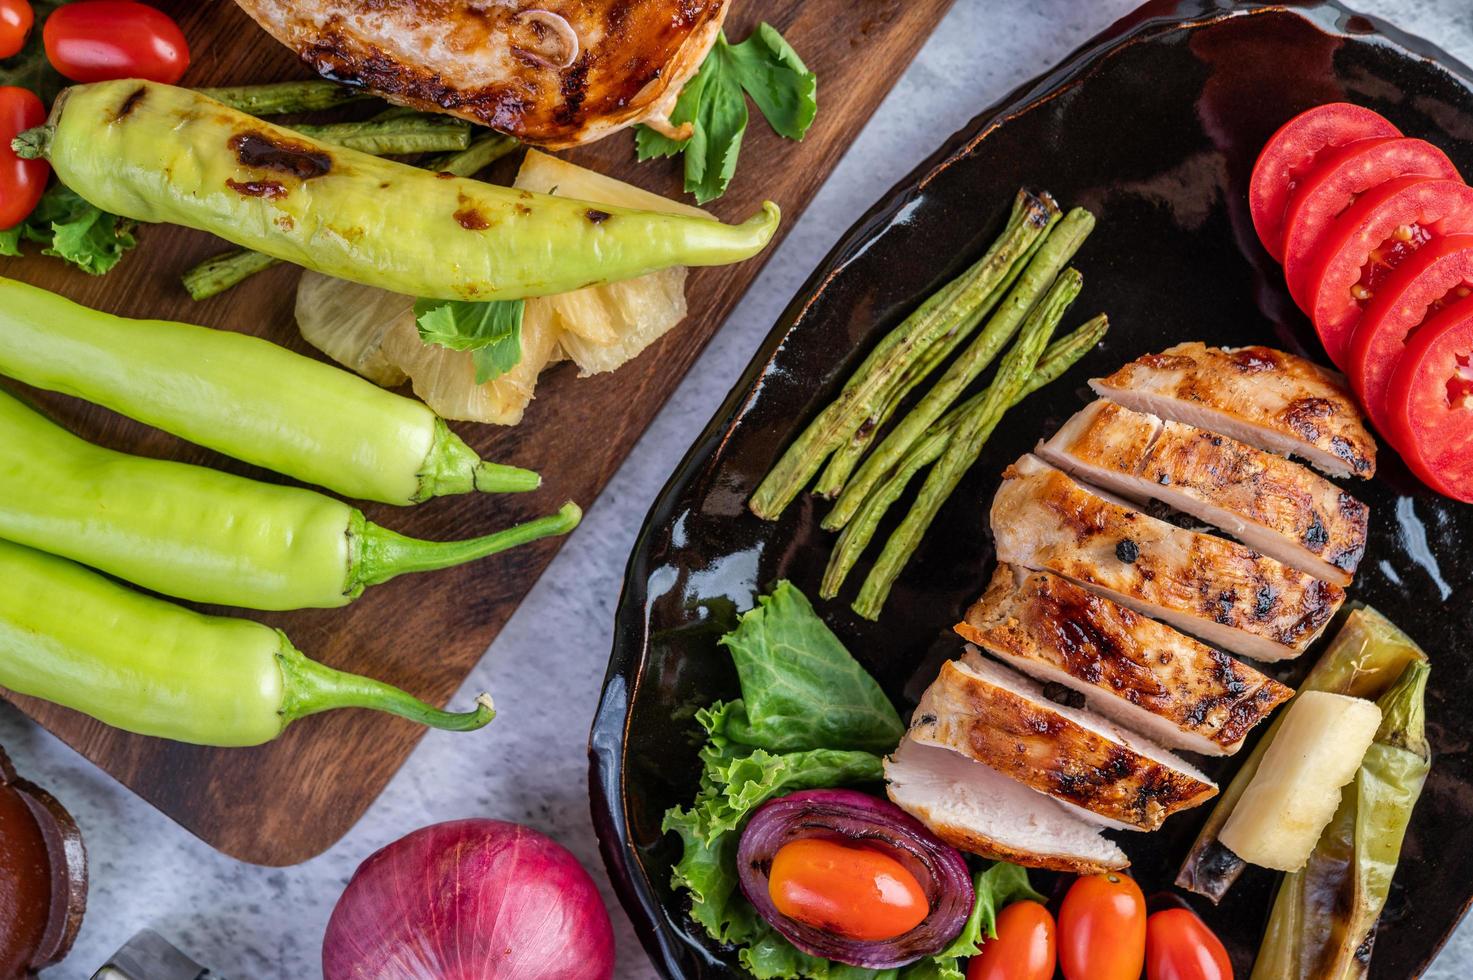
1429,402
1374,235
1436,274
1291,153
1338,178
1179,946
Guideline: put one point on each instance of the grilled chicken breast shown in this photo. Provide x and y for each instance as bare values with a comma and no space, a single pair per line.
1271,504
978,809
1219,590
1137,672
551,72
1002,720
1266,398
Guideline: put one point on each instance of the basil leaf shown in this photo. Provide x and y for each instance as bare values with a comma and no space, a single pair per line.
800,688
714,102
770,71
492,331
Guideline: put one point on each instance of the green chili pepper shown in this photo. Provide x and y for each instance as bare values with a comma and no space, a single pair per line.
1325,914
162,154
244,397
78,639
199,534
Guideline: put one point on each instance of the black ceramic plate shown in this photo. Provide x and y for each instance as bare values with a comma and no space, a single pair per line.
1154,127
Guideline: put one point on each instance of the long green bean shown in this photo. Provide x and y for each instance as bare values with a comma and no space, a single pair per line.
1059,357
395,133
1057,249
280,98
484,150
894,354
972,432
841,465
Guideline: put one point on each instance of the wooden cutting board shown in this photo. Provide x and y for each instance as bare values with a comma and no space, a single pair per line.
283,803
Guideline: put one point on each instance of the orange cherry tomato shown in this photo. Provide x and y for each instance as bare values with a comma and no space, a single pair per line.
851,891
1023,950
1179,946
1102,929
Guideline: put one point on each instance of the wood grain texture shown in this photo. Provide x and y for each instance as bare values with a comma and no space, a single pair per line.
283,803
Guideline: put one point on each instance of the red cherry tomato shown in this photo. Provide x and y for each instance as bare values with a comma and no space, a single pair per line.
1023,950
16,18
1102,929
100,40
1439,273
1429,401
1290,154
1179,946
21,181
1374,235
848,890
1339,176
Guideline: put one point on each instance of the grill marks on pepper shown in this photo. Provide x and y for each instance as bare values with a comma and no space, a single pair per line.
130,103
258,151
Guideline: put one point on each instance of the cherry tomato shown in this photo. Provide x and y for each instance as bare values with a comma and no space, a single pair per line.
100,40
1291,153
1179,946
1338,177
1374,235
1429,401
1102,929
21,181
1439,273
851,891
1023,950
16,18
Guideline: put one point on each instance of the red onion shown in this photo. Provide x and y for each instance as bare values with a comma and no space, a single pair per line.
470,900
852,817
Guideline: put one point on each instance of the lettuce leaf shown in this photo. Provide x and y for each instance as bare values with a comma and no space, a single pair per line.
800,688
71,229
997,887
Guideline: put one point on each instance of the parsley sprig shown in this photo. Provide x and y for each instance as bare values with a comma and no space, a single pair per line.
765,67
492,332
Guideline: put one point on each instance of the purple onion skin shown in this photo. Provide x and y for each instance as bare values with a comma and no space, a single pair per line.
848,816
470,900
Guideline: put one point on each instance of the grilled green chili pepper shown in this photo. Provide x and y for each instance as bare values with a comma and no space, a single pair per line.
78,639
196,533
1325,913
244,397
162,154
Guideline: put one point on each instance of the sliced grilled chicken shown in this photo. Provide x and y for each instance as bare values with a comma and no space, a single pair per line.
978,809
1135,671
1264,397
1221,591
1271,504
1002,720
552,72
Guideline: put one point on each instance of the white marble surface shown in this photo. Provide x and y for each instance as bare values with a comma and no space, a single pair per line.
250,922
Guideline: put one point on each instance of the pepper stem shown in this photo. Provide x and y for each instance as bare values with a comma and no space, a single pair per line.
453,467
386,554
34,144
312,687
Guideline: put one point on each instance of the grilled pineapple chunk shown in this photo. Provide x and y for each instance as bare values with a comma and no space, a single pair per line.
1317,751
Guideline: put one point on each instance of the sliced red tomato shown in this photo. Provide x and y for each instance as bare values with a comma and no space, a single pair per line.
100,40
1179,946
21,181
16,18
1439,273
1429,401
1023,950
1373,236
1102,929
1339,177
1291,153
